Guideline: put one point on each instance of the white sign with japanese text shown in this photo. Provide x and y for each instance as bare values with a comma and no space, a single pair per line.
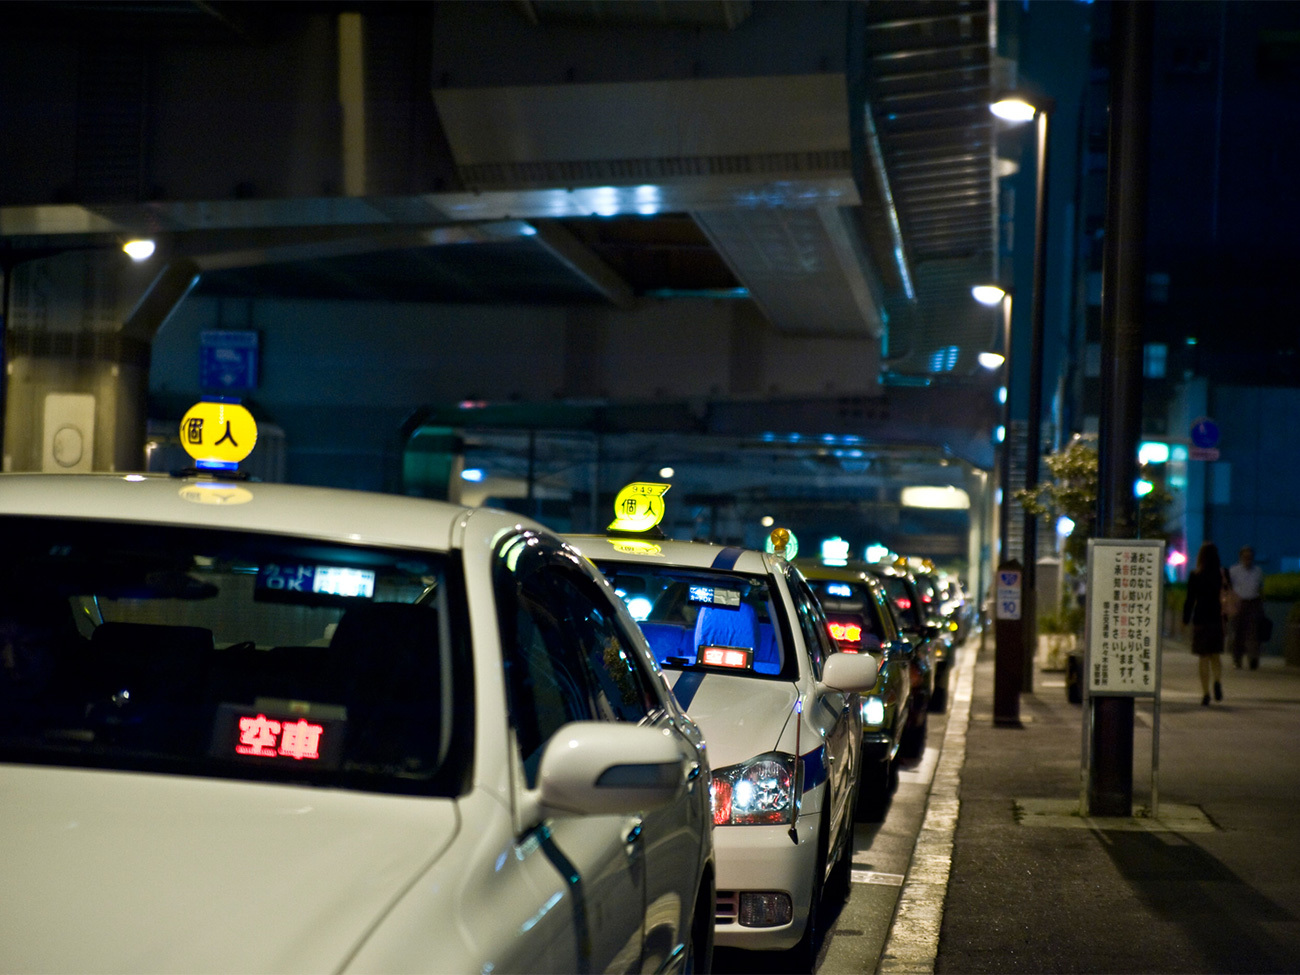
1125,599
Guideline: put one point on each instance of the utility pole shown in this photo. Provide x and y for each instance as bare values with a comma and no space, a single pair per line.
1123,288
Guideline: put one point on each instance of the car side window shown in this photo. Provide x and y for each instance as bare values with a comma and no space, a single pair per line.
883,615
566,657
816,634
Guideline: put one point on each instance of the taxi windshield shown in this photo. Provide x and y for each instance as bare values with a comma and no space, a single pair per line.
699,619
187,651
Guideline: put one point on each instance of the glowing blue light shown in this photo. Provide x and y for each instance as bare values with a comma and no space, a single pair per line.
605,201
839,589
835,550
877,552
528,230
639,607
1002,394
647,200
474,474
1142,487
1000,434
1064,525
1153,452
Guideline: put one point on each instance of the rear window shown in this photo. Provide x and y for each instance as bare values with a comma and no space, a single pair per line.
695,619
852,614
231,655
902,598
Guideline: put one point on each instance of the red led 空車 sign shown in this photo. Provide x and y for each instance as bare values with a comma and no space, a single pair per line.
734,657
268,738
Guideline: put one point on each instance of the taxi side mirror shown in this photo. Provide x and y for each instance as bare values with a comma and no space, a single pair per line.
605,768
850,672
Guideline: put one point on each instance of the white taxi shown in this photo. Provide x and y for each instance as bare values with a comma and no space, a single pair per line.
261,728
746,648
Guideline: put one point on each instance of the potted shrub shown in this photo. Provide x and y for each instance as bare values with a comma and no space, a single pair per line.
1059,632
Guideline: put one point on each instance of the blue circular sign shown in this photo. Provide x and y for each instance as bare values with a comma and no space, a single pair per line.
1205,432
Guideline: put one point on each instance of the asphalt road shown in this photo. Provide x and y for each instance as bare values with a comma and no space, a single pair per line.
858,931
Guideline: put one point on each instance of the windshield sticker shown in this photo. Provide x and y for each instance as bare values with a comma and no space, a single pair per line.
709,596
329,580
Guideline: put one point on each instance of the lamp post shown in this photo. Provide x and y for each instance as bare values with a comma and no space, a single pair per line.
1020,110
1009,650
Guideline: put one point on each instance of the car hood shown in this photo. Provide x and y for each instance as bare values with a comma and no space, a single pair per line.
113,871
740,716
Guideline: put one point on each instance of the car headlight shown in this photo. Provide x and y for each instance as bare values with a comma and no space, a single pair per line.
760,792
873,710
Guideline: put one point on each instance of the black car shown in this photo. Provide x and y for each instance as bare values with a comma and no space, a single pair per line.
925,632
861,620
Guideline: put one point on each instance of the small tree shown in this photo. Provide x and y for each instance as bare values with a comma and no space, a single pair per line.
1072,491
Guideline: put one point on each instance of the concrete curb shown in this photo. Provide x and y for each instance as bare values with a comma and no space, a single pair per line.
913,943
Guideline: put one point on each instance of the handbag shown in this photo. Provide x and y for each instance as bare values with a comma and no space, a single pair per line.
1229,602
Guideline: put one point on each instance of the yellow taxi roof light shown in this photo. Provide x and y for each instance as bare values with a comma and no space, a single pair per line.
638,509
218,434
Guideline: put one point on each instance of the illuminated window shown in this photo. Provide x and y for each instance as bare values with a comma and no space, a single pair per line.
1154,356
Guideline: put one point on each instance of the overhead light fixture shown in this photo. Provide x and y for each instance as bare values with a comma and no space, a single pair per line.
926,496
140,249
988,294
1013,110
991,360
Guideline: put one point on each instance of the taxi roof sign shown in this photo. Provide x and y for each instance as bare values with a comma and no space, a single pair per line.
638,509
218,435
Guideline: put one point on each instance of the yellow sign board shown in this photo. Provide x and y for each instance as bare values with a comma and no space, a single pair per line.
218,434
639,507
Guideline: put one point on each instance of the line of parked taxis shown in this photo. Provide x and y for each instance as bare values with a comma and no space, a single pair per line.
255,727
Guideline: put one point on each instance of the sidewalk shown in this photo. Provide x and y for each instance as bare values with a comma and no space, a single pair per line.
1212,884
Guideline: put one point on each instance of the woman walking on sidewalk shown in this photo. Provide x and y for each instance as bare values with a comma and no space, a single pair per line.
1204,611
